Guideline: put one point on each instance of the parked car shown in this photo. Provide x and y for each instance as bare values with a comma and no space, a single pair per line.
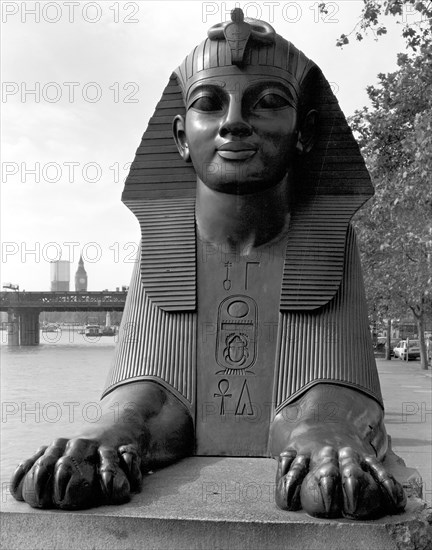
393,343
413,351
381,343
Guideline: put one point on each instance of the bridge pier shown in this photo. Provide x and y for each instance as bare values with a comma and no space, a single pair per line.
13,328
23,327
29,327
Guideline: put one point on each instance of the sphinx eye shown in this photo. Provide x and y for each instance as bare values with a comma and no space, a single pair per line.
207,103
271,101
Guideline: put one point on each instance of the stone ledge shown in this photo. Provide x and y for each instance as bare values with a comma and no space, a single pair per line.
207,503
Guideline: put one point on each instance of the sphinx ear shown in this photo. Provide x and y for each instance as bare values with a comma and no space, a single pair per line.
307,132
179,134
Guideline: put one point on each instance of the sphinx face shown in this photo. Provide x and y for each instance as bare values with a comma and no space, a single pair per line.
240,131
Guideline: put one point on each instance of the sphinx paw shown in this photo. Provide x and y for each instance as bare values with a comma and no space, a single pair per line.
334,483
76,474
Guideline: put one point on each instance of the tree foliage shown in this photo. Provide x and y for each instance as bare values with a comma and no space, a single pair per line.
395,228
415,17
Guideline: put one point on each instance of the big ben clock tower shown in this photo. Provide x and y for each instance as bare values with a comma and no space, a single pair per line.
80,276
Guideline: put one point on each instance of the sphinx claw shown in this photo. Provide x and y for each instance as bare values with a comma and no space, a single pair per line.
287,493
107,478
16,485
62,477
285,460
327,487
351,489
289,486
132,463
43,480
128,459
388,485
392,489
395,493
17,482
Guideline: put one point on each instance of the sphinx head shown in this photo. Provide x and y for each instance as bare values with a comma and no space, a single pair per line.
246,117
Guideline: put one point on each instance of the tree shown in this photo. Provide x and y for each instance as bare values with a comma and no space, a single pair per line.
395,228
414,15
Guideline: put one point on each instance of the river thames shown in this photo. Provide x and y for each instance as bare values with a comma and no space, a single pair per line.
48,391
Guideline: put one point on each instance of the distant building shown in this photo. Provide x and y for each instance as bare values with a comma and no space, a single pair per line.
80,277
60,275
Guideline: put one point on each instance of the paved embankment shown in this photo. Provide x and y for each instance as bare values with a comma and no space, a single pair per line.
407,393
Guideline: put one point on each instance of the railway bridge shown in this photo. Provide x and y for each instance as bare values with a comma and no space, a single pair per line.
23,309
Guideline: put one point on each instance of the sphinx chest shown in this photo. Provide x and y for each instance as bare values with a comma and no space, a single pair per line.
238,319
239,357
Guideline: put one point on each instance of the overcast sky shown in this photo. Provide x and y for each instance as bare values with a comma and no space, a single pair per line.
79,84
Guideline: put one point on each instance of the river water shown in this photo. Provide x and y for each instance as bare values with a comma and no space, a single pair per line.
48,391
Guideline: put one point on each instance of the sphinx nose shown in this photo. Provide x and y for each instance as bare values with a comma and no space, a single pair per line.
234,122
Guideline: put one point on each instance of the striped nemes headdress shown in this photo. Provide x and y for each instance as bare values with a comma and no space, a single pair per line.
331,181
238,44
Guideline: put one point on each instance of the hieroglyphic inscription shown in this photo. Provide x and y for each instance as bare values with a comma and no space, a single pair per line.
243,399
244,404
247,268
236,334
238,306
223,387
227,281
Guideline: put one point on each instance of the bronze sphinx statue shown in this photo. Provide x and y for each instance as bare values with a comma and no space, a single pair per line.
245,331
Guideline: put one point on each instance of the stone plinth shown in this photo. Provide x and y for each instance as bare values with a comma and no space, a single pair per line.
207,503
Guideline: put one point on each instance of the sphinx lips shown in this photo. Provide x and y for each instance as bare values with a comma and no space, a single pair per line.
236,150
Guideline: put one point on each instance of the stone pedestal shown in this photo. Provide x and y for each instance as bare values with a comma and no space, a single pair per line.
207,503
